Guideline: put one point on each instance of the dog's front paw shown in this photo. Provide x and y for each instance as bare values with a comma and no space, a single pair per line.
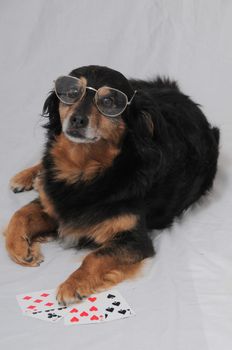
24,253
22,181
73,290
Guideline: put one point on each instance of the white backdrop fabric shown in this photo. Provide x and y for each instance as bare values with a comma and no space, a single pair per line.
183,299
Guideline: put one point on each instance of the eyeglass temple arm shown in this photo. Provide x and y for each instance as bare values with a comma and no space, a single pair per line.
91,88
129,102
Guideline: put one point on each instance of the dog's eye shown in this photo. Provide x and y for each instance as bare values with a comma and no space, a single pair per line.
73,93
107,101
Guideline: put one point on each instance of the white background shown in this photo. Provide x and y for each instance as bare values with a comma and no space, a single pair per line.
183,300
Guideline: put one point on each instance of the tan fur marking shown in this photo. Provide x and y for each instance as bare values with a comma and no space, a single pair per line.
104,231
46,203
110,129
81,161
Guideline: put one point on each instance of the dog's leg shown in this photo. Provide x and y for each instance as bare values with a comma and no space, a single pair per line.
24,180
24,226
117,260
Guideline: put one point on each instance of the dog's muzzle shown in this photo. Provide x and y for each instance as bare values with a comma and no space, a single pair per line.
77,125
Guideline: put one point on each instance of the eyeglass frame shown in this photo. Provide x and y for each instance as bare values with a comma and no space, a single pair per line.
96,90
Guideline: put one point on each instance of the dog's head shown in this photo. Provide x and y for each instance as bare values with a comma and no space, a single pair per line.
90,104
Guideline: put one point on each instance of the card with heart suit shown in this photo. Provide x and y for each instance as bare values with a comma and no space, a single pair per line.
42,305
101,307
38,301
97,308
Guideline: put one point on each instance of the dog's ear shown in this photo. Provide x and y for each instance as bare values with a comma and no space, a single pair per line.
147,132
145,119
51,111
148,122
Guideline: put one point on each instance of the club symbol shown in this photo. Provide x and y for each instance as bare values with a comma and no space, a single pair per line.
110,309
110,296
52,315
116,303
122,312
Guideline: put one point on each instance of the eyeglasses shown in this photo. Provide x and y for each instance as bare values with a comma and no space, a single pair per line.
109,101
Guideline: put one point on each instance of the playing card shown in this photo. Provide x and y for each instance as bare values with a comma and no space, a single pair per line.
115,306
38,301
87,311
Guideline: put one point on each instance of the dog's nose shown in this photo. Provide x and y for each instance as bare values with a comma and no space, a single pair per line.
78,121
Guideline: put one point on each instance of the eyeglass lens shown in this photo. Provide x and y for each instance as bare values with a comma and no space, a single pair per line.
69,90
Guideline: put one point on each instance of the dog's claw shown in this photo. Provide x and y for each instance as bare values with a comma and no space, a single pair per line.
28,259
79,296
16,190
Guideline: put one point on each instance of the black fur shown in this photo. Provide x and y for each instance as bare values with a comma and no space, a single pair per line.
156,176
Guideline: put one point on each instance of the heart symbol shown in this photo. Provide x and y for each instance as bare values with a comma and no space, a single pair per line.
44,295
84,314
74,310
94,317
49,304
92,299
31,307
93,308
74,319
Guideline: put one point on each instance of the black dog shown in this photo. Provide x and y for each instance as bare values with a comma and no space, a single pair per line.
122,157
